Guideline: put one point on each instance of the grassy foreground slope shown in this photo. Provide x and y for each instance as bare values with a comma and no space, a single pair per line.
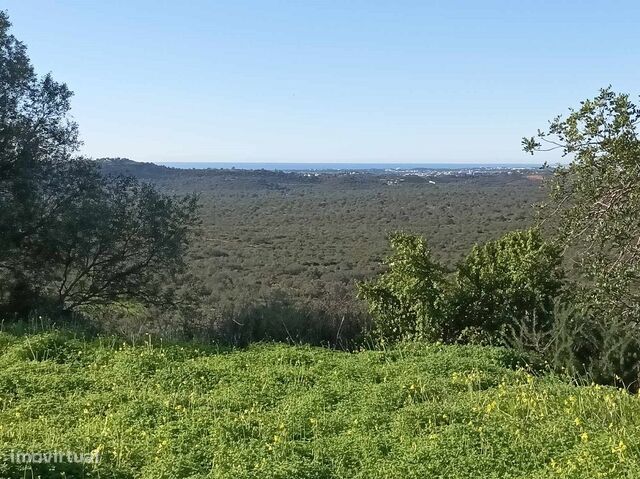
275,411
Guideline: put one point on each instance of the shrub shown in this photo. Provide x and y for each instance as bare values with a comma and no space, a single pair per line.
505,286
407,301
586,341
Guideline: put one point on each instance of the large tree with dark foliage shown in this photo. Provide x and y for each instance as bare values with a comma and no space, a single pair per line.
70,235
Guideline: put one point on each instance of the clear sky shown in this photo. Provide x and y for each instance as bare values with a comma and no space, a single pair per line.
344,80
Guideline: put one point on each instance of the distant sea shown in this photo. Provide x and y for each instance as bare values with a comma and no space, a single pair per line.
342,166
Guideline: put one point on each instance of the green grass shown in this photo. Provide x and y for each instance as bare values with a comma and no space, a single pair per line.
276,411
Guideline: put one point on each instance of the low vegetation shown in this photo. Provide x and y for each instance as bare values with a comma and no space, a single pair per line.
273,411
504,287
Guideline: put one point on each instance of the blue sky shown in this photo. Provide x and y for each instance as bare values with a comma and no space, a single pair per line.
349,80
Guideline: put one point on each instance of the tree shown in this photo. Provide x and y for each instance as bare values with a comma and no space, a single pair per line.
594,201
507,286
406,301
70,235
121,239
597,196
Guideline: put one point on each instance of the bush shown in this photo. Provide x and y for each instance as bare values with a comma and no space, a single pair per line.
408,300
505,286
587,341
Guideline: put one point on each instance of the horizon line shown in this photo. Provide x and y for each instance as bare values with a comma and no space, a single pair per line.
344,162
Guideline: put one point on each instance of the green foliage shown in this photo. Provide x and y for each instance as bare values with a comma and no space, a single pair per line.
121,239
314,237
502,287
597,195
69,235
406,301
594,202
273,411
506,285
586,343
